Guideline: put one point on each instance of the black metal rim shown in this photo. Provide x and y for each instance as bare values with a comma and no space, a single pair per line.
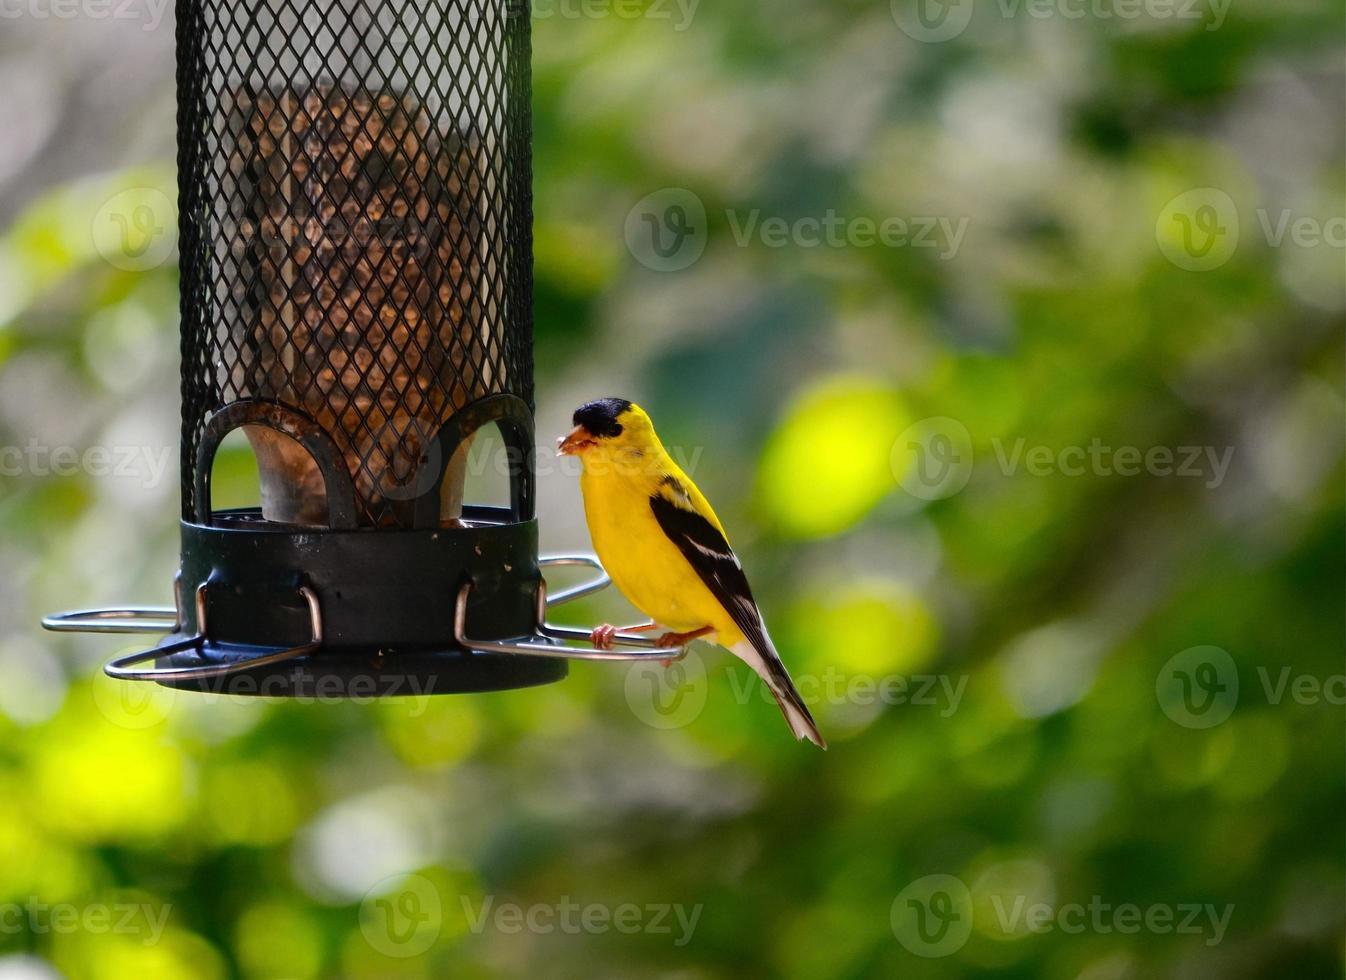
387,600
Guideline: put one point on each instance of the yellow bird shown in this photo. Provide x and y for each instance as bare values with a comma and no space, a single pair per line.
666,550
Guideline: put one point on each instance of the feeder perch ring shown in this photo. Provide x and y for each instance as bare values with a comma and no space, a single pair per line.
133,619
119,669
544,642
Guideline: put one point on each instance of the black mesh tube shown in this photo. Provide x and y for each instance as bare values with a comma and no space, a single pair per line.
356,249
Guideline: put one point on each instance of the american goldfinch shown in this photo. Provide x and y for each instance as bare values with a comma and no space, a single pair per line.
666,550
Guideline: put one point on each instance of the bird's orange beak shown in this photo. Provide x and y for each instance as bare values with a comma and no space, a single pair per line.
577,442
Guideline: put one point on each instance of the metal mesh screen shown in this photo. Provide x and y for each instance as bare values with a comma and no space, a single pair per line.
355,180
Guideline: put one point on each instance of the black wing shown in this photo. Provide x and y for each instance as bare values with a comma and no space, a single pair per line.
707,551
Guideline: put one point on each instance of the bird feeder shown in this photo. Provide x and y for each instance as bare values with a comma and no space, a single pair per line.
355,184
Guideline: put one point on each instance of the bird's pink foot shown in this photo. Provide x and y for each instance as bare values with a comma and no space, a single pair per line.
603,637
670,640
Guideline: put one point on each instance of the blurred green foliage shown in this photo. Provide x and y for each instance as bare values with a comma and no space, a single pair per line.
1045,606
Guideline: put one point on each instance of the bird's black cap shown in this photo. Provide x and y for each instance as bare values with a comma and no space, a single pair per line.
600,417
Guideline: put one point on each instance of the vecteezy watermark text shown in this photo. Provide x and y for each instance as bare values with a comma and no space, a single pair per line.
150,13
1097,459
667,231
302,687
934,917
487,458
121,918
1102,918
672,697
834,230
147,464
573,918
932,21
933,459
403,916
832,687
135,707
1210,13
679,12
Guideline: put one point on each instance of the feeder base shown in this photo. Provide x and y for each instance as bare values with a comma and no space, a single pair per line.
313,670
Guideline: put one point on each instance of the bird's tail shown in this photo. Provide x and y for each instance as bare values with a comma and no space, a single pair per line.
767,663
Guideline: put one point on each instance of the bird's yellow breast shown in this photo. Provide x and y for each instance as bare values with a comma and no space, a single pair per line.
645,565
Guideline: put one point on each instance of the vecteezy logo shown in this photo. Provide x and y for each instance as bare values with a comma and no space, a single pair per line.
667,230
1198,230
932,459
414,463
402,916
932,21
1199,688
667,697
130,705
136,229
932,916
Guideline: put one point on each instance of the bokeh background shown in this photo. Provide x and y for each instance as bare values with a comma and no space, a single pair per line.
863,416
